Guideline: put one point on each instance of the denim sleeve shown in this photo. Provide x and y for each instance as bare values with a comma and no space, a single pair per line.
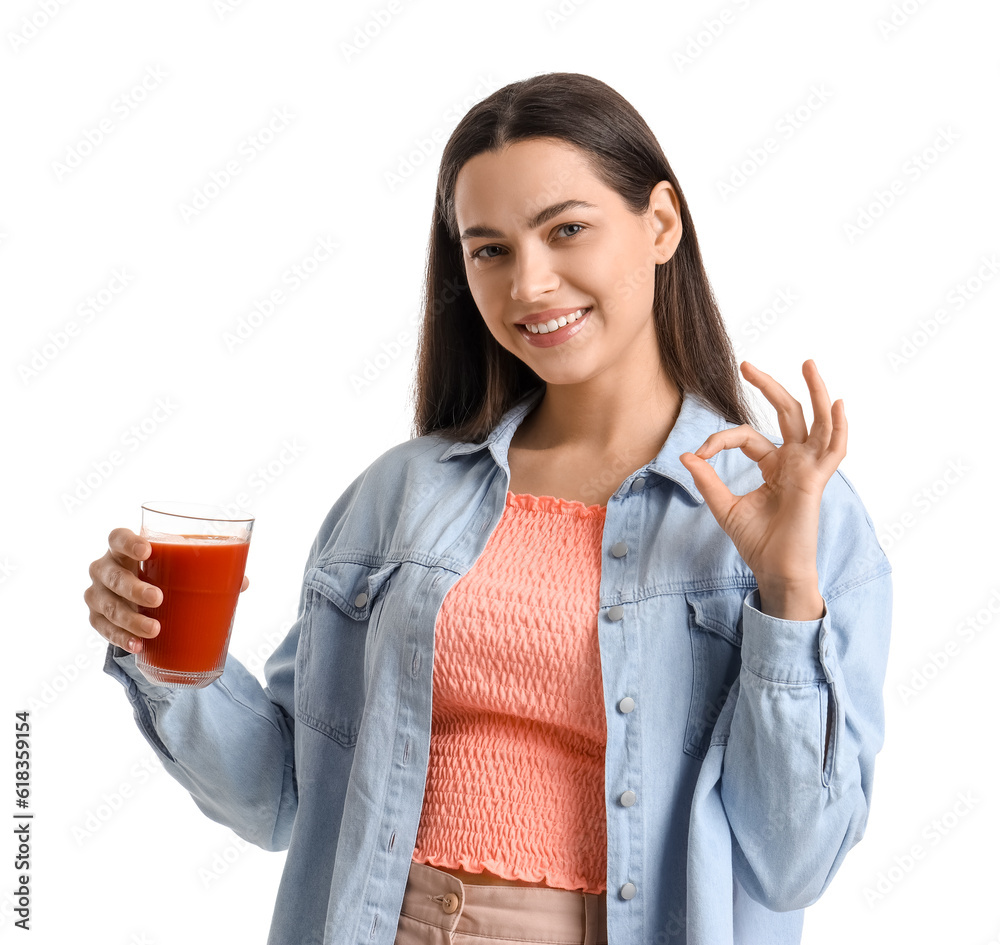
808,719
230,744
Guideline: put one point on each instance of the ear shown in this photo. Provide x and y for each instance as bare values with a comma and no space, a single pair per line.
664,218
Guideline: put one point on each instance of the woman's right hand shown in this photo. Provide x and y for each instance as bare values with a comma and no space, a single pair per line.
116,592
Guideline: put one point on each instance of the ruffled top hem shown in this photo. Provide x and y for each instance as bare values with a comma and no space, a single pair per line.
572,882
549,503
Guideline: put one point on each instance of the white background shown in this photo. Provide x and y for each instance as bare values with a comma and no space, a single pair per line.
120,852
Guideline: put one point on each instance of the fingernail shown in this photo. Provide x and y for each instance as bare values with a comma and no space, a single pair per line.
151,595
134,645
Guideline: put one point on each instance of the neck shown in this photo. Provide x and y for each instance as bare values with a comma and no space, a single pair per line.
604,416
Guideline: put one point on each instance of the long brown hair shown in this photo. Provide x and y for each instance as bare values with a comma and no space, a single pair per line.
465,379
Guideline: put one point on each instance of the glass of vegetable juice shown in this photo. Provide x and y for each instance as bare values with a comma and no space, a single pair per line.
198,559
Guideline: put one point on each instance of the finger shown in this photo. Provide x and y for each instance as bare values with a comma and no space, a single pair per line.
246,584
119,613
744,437
115,635
126,544
791,420
838,438
123,583
719,499
822,425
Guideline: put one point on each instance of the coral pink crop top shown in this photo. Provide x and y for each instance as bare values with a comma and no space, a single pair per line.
515,783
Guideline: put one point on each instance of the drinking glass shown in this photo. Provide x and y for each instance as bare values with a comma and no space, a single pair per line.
198,559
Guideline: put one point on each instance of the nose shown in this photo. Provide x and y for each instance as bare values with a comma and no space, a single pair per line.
533,274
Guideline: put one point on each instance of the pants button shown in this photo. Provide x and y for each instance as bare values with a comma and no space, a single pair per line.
450,903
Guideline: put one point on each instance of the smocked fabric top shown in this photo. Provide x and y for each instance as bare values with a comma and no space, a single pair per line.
515,783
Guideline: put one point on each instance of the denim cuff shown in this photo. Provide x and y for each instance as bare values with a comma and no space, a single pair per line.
120,664
782,651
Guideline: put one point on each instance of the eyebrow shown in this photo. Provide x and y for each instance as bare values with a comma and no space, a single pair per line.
537,220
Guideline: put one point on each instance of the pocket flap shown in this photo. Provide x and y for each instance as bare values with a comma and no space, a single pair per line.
719,611
352,586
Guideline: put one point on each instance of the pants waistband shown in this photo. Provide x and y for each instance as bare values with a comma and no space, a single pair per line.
528,914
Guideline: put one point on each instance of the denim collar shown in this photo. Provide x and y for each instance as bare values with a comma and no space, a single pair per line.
696,421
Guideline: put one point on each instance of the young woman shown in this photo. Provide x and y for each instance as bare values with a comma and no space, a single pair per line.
588,658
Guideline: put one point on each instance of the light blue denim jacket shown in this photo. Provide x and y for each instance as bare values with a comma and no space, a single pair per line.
716,713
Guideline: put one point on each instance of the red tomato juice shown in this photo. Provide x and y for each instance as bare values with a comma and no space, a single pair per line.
200,576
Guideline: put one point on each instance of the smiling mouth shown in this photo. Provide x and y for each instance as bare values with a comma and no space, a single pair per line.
543,328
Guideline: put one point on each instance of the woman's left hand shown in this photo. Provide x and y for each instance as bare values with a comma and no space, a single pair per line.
775,528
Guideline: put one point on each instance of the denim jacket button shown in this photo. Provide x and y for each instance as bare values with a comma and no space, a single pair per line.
616,612
628,891
627,799
637,484
361,599
619,549
626,705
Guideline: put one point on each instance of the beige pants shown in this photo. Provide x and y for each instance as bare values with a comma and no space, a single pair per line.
439,909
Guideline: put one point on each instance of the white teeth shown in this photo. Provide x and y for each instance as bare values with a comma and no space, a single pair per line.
545,327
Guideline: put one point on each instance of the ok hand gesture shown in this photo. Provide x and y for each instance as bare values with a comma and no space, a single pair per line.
775,528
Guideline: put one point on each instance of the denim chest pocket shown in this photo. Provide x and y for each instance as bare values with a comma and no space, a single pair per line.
715,626
344,602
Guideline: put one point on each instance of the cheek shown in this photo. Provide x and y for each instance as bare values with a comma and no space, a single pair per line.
488,295
635,269
484,306
604,268
479,285
489,311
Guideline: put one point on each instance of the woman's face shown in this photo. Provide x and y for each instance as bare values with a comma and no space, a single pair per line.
532,259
